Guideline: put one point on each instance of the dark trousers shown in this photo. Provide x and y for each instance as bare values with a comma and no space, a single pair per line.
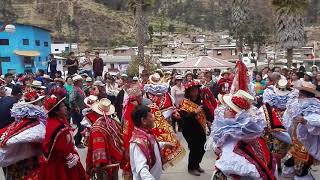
196,141
77,118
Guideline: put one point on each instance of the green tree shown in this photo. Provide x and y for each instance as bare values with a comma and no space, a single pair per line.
140,9
239,21
171,28
290,24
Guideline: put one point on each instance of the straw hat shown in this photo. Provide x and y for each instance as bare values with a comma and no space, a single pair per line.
188,73
89,79
103,107
309,74
155,78
239,101
309,87
98,83
31,97
167,72
90,100
84,75
77,78
281,88
135,78
225,72
37,84
46,76
50,102
59,80
179,77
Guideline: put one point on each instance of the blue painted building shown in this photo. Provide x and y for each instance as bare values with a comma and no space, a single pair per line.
27,49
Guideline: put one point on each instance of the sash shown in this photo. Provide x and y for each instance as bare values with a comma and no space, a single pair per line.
146,142
273,119
257,153
298,151
163,132
191,107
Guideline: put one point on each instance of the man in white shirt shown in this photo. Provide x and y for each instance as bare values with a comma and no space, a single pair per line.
145,158
86,64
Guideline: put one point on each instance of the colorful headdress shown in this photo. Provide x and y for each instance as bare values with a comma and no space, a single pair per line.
31,97
50,102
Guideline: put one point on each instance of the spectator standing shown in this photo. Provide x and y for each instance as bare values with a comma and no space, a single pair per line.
69,86
6,104
72,64
76,101
259,84
295,81
111,89
97,65
52,66
86,64
8,80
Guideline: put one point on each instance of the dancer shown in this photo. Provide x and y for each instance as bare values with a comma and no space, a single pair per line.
162,108
105,145
20,142
302,120
275,99
60,157
242,153
194,118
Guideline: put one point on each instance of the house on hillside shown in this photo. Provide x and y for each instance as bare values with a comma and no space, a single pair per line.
228,53
27,49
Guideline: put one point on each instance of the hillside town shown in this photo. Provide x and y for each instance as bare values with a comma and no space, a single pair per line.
173,98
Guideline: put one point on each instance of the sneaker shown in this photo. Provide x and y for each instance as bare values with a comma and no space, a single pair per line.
194,172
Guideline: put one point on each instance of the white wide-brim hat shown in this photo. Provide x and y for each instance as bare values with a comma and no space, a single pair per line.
103,107
309,87
37,84
228,101
90,100
281,88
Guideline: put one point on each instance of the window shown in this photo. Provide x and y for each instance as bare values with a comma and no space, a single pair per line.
66,49
233,52
39,58
219,53
37,42
56,49
4,42
4,59
46,44
25,41
112,66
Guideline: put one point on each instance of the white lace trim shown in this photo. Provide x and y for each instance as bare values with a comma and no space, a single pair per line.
35,134
231,163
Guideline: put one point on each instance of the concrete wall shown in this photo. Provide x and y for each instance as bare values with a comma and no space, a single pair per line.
16,43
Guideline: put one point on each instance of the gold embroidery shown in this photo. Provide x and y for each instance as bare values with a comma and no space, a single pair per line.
190,106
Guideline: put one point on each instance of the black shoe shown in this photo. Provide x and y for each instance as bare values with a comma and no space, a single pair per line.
200,170
80,146
194,172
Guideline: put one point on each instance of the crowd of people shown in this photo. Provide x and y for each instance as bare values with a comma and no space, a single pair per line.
254,121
